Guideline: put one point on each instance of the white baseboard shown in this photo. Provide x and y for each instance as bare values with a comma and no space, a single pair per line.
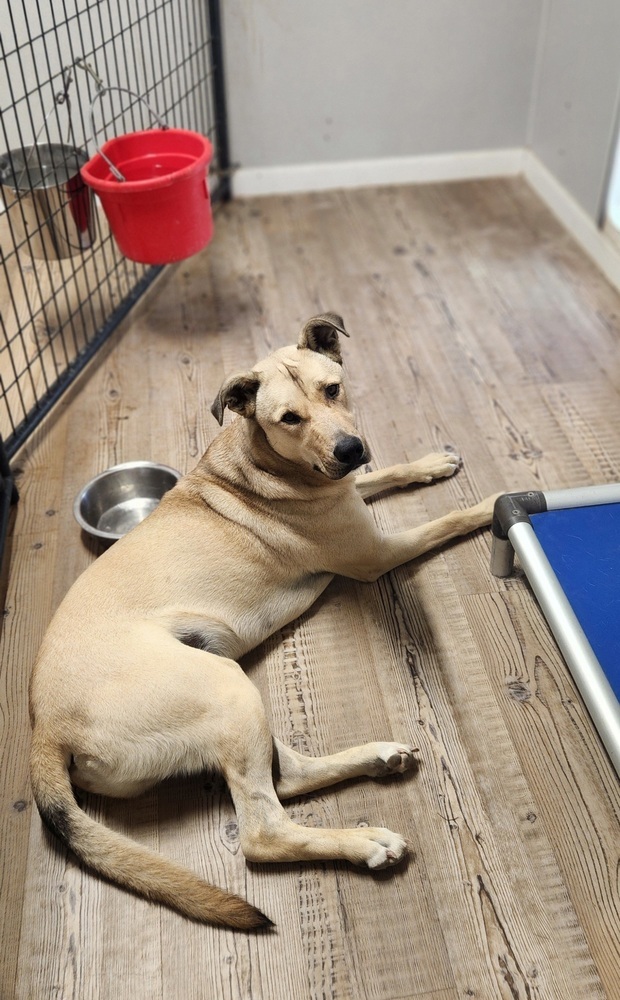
303,177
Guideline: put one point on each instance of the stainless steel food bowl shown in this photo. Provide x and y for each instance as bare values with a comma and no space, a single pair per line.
121,497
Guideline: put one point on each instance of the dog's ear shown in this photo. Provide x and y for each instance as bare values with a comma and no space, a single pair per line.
238,393
321,334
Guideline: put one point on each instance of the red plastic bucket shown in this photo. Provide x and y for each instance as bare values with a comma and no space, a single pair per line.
161,211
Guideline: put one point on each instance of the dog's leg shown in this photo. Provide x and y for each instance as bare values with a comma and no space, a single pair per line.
245,751
371,556
438,465
296,774
268,834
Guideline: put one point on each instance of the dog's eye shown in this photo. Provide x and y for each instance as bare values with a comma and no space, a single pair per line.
290,418
332,390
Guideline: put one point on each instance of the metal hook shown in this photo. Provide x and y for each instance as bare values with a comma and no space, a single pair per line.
82,64
67,79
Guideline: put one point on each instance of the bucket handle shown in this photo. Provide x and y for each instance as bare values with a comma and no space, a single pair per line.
59,99
93,131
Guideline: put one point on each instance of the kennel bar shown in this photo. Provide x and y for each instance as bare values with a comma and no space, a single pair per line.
59,301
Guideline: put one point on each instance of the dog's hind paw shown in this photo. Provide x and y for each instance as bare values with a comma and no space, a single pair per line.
385,848
392,758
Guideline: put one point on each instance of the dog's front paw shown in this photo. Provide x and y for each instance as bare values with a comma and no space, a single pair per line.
437,465
392,758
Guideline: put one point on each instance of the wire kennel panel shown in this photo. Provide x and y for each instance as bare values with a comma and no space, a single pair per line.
64,286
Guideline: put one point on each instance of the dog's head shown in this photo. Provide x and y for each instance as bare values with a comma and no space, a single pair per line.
298,397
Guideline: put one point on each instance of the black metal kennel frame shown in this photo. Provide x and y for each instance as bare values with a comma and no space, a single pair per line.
62,292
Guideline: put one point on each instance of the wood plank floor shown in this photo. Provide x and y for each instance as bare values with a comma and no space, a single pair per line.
476,323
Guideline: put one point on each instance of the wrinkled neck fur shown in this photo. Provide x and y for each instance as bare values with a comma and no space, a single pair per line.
241,455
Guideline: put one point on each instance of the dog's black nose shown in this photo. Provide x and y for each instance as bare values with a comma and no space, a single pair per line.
349,450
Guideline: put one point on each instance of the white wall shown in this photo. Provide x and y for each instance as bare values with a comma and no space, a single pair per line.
324,81
575,95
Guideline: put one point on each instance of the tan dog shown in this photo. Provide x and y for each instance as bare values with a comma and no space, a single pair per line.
137,676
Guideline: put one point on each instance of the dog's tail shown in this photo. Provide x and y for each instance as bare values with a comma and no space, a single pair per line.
123,861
